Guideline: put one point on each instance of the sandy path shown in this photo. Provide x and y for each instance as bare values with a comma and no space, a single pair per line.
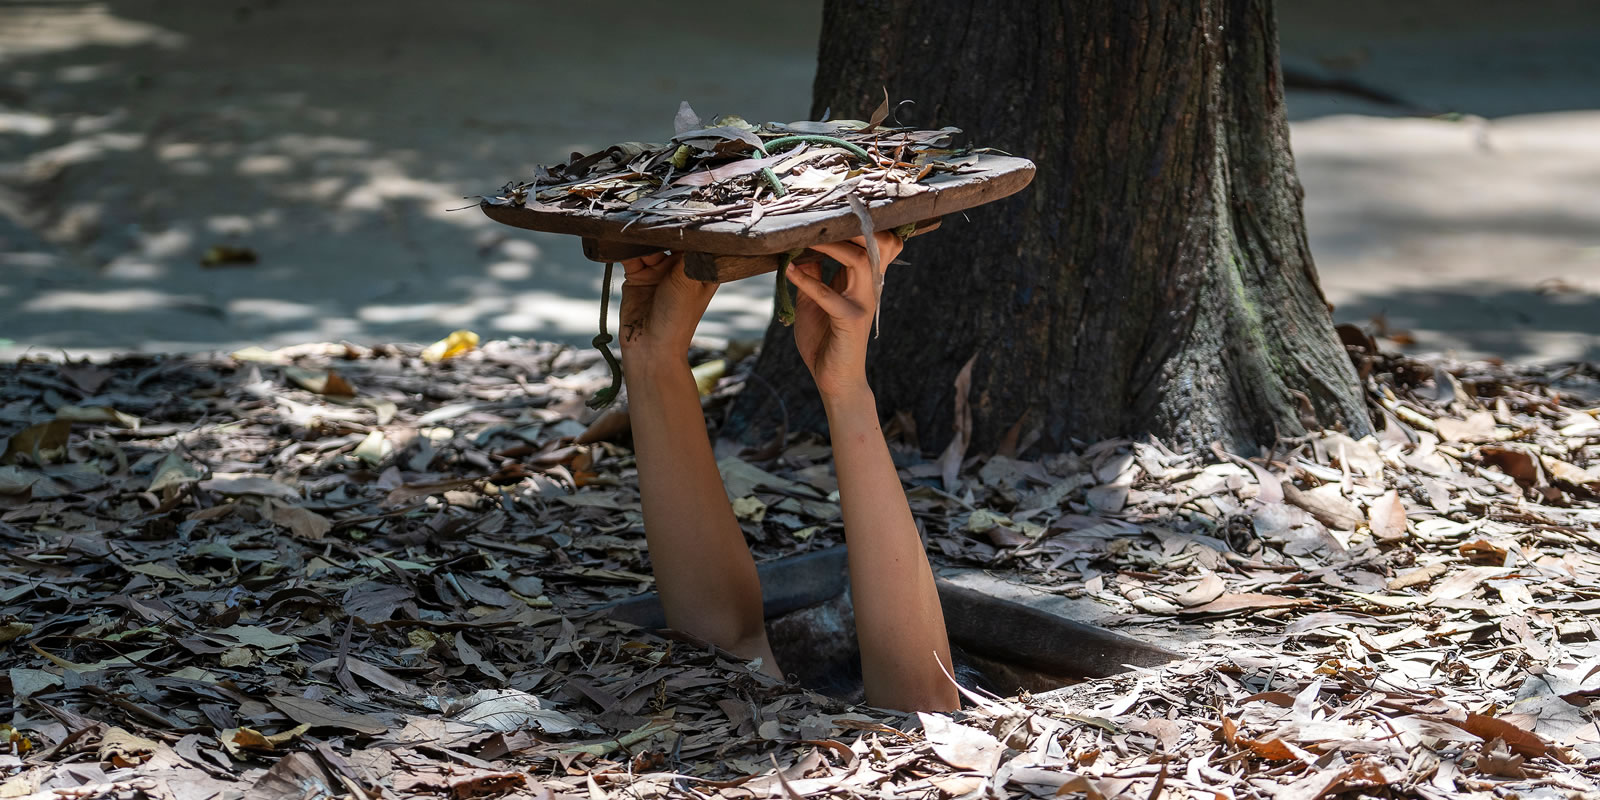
331,139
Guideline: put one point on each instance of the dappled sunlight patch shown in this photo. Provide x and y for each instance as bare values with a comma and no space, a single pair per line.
518,249
178,151
726,325
301,145
143,161
35,29
46,163
133,268
321,190
25,123
386,180
271,308
109,300
85,73
407,312
230,224
333,328
259,165
738,309
510,270
170,243
547,311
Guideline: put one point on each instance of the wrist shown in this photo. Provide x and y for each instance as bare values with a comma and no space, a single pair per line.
852,402
649,367
647,351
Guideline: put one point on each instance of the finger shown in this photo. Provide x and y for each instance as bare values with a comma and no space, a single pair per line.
650,259
859,283
831,302
890,246
811,269
650,268
814,270
842,252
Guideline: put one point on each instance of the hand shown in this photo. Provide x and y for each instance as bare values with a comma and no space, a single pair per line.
660,306
832,323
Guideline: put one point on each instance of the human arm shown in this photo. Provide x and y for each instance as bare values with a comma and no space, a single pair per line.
704,573
898,619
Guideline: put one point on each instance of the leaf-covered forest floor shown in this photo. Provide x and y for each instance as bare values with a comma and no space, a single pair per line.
334,571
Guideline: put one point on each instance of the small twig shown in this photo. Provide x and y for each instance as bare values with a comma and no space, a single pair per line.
643,732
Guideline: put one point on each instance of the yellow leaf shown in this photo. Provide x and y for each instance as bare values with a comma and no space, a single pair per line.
320,381
125,749
706,375
243,741
259,355
284,737
40,442
374,449
11,737
749,509
92,414
13,630
462,341
383,408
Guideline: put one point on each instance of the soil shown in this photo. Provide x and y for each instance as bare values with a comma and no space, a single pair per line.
274,574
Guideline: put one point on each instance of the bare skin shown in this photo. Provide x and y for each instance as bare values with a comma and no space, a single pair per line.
704,572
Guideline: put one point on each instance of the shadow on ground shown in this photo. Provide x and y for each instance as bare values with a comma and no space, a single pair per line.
331,140
1514,323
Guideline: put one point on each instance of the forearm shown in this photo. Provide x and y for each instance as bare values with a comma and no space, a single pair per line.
898,619
704,573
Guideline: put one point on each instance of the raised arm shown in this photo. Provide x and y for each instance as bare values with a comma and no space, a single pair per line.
704,573
898,619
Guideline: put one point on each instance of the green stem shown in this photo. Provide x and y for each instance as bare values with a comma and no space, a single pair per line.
600,749
785,141
606,396
785,301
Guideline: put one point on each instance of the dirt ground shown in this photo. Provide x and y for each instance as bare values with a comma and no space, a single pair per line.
332,571
331,140
388,595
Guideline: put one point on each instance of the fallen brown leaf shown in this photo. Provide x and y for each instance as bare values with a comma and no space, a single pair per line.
1387,517
322,715
1234,603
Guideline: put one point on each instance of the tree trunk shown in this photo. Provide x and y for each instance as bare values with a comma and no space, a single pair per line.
1154,279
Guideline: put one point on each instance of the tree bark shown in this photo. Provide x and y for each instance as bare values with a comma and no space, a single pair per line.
1154,279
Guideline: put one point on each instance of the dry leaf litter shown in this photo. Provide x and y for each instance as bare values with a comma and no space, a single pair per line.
738,171
332,571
